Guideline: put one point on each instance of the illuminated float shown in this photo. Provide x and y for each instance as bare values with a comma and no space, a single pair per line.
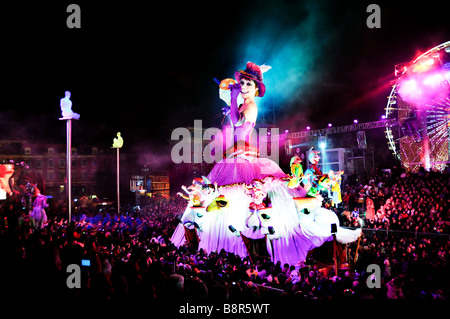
247,205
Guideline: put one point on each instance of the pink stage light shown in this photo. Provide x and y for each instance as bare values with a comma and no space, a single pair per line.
433,80
423,88
308,128
447,76
409,90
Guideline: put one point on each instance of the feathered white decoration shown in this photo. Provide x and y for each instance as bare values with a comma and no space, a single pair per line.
264,68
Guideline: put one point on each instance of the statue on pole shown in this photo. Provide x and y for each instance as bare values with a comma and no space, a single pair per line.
118,141
117,144
66,108
68,115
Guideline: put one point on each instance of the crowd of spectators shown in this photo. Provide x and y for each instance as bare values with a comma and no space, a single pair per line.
131,257
400,201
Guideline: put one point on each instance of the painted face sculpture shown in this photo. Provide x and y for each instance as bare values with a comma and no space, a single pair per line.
258,222
256,191
248,88
314,157
193,218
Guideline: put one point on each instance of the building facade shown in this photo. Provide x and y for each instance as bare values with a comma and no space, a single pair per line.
92,167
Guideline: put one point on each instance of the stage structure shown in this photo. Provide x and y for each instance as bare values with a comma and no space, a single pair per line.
349,159
419,101
342,129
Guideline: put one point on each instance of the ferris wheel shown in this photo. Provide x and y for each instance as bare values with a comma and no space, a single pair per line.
420,102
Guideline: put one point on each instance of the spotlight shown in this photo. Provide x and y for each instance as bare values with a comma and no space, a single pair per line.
429,61
286,131
330,125
308,128
383,117
355,121
322,142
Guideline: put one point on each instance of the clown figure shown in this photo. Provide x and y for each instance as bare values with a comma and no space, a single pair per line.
296,171
194,192
314,159
259,220
335,189
257,194
313,173
209,192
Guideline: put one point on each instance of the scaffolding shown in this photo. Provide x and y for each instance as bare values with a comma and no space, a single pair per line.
344,129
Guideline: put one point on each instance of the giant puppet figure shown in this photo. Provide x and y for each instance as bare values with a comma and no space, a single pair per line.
259,205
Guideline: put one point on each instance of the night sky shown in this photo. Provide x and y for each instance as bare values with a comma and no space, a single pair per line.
146,68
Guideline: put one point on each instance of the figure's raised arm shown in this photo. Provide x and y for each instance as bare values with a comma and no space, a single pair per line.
234,109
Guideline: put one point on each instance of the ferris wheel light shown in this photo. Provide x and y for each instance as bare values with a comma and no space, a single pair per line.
424,65
424,92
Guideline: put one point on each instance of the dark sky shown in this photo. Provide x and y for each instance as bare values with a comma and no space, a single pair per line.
145,68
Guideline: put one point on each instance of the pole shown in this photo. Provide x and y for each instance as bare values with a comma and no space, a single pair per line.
335,255
425,155
357,249
69,165
373,158
364,159
118,178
